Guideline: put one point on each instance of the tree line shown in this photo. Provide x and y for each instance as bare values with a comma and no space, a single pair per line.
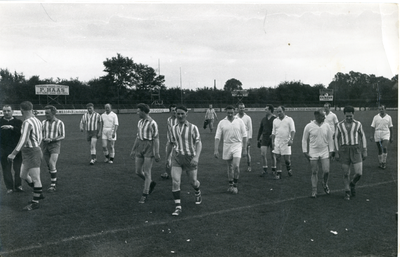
127,83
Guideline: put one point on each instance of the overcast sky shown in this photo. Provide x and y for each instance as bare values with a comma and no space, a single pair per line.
258,44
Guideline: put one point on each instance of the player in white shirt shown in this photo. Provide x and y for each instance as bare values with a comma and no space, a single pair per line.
382,134
249,128
283,131
234,135
317,144
109,133
330,117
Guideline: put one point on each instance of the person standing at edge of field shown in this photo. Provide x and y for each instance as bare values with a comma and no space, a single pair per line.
283,131
109,133
347,137
91,122
29,146
264,139
382,134
145,149
185,146
210,114
249,128
10,133
234,135
171,121
53,133
317,144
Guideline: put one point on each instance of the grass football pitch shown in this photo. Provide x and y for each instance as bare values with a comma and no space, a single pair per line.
95,210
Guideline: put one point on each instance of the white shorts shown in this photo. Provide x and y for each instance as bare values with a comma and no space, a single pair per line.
107,134
232,150
380,136
282,148
317,154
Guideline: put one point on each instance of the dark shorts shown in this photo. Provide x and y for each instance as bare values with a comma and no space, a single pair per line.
144,149
183,161
266,141
350,154
51,148
91,134
31,157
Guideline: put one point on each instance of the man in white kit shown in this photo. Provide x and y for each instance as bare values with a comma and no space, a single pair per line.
283,131
249,128
382,134
109,133
318,145
330,117
234,135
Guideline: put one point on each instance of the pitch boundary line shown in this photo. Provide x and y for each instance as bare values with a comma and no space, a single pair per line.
155,223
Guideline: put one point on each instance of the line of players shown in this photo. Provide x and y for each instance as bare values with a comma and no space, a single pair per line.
322,138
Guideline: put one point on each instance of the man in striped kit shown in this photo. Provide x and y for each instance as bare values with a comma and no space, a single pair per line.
171,121
29,146
109,133
349,133
91,122
145,149
53,133
185,146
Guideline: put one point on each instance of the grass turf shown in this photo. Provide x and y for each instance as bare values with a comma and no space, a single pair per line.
95,210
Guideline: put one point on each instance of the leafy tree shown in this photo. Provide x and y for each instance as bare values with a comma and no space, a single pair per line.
233,84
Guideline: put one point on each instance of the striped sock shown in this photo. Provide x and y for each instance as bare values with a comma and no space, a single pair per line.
37,194
53,175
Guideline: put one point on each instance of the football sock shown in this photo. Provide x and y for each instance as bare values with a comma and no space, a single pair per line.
177,198
93,156
273,169
37,191
356,178
53,175
231,183
111,158
106,154
197,187
384,157
326,176
380,158
235,180
265,168
288,165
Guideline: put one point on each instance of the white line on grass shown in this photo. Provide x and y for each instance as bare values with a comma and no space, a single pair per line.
155,223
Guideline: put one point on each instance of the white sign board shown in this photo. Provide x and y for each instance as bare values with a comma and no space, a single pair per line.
51,89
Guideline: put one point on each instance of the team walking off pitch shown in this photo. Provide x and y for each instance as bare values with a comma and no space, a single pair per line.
325,139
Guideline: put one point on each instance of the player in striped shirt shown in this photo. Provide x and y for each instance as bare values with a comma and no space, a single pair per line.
91,122
109,133
171,121
146,149
29,146
351,144
185,146
382,134
249,128
53,133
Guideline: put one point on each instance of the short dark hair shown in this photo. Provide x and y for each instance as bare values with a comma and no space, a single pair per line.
282,107
108,104
348,108
144,108
382,105
319,112
182,107
327,104
26,106
89,105
172,106
230,107
270,107
52,108
6,106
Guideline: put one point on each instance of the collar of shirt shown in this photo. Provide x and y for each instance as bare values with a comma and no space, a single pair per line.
8,119
147,118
